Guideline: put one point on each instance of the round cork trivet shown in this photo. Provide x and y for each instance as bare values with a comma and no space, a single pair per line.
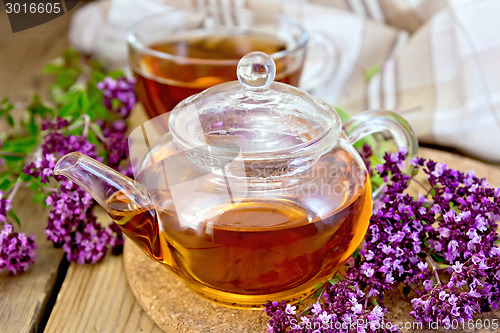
175,308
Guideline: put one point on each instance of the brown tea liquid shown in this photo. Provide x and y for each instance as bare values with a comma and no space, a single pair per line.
256,250
162,83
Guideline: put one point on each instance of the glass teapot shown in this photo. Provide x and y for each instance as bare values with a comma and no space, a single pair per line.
255,192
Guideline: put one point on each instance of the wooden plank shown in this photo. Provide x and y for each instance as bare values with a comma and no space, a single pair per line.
23,297
23,55
487,170
96,298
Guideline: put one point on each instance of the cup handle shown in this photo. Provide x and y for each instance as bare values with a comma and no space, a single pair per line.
375,121
330,61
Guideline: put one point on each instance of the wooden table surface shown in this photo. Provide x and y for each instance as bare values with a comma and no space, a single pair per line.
54,296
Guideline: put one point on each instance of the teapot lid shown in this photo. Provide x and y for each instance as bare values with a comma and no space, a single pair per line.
256,114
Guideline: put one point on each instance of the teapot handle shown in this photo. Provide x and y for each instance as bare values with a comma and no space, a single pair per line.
326,66
375,121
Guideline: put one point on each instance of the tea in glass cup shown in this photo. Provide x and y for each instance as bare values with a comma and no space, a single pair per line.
178,53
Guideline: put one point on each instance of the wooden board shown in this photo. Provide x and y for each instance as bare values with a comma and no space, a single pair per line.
23,55
174,308
95,298
25,296
98,299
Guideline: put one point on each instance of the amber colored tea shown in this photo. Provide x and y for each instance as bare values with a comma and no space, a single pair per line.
256,250
162,83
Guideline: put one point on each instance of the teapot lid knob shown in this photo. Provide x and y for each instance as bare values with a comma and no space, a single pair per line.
256,70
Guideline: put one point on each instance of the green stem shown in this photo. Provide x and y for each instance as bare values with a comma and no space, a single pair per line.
99,136
15,189
421,185
305,310
434,269
86,118
7,153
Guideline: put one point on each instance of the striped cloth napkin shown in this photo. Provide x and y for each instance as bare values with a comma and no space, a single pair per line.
436,62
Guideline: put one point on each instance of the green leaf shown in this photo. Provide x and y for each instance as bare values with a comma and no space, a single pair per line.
335,280
37,107
344,115
26,178
31,126
100,112
95,77
36,185
14,163
96,129
5,112
66,70
96,65
71,57
4,174
39,197
356,252
20,141
318,288
370,72
84,102
14,217
406,291
115,74
115,104
10,121
22,145
53,68
6,184
70,107
437,258
93,139
5,106
376,180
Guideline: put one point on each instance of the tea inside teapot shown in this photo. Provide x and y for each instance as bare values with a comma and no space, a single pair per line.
264,243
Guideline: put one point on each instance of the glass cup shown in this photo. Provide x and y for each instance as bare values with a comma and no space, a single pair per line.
178,53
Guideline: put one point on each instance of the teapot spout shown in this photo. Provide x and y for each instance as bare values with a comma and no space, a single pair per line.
125,200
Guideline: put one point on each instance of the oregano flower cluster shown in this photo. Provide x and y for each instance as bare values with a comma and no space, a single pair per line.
439,245
119,95
86,113
17,251
71,223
